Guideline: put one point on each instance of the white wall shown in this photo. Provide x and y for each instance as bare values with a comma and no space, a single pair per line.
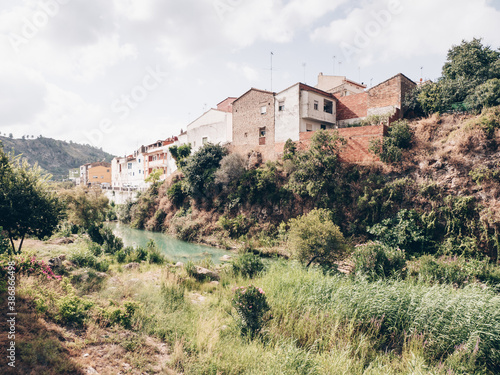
215,125
287,122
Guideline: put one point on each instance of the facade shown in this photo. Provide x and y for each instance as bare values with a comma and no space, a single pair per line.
253,124
214,126
384,98
157,156
302,108
95,174
128,171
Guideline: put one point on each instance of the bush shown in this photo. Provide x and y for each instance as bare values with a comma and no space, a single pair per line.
247,265
71,308
95,249
176,194
231,168
235,227
315,238
154,254
403,231
376,260
121,256
87,259
251,305
398,138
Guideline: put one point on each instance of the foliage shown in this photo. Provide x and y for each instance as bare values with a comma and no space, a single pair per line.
315,238
200,169
232,166
73,310
29,265
289,150
398,138
455,270
316,168
376,260
27,205
250,303
235,227
154,254
485,95
176,194
86,207
180,154
121,315
247,265
84,258
4,243
154,176
404,231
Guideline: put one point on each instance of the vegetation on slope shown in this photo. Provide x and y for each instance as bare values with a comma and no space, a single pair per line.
54,156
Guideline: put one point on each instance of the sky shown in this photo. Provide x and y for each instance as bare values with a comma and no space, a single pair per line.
117,74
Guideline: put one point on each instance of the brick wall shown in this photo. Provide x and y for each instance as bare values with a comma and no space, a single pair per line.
358,142
247,120
351,106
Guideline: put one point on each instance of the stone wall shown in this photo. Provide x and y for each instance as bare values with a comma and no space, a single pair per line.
248,121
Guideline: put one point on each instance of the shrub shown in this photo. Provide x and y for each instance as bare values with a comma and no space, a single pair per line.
247,265
251,305
71,308
376,260
398,138
140,254
154,254
235,227
314,237
176,194
87,259
231,168
95,249
403,231
118,315
29,265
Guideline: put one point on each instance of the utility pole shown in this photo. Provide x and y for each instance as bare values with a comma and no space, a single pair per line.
272,54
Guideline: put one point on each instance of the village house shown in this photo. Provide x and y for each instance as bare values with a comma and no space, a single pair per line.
95,174
263,121
157,156
214,126
128,171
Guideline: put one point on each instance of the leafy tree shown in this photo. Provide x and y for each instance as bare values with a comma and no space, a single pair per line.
231,168
200,169
86,207
27,205
315,238
11,135
485,95
154,176
316,167
180,154
289,150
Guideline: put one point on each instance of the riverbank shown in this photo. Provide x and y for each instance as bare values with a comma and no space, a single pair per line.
159,319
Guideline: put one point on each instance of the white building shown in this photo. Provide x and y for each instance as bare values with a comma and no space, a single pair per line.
128,171
214,126
302,108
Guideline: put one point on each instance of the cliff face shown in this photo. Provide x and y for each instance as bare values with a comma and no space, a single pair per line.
54,156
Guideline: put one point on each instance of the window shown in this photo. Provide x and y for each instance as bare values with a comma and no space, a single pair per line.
204,140
263,110
316,105
281,106
129,166
96,177
323,126
328,106
309,128
262,136
107,170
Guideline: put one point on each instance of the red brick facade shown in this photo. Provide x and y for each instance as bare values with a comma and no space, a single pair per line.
358,142
352,106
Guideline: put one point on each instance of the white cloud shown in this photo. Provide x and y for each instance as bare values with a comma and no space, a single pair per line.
248,72
381,31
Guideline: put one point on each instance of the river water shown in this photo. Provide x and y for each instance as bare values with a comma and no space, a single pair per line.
174,249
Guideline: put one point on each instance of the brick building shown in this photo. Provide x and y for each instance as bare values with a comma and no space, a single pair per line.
253,124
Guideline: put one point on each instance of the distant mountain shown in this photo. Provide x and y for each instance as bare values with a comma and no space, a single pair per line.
54,156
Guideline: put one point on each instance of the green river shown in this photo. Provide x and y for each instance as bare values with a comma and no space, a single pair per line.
178,251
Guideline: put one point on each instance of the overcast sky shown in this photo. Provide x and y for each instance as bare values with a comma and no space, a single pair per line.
120,73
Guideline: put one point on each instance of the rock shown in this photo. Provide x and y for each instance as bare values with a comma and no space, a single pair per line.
62,256
226,258
55,262
86,355
132,265
203,273
102,275
62,241
179,264
91,370
254,159
214,282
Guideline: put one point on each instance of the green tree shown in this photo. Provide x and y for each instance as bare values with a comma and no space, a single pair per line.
485,95
86,208
27,205
180,154
316,167
154,176
315,238
398,138
200,169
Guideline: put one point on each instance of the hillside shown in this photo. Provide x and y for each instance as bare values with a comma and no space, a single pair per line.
54,156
